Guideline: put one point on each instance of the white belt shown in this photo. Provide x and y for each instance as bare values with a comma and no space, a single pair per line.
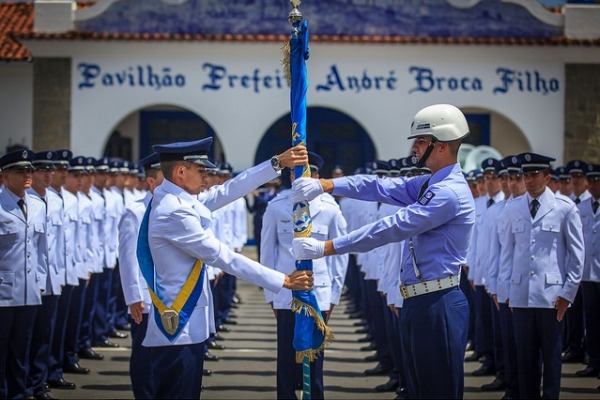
434,285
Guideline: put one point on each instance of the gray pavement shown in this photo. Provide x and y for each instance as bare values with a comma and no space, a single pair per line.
246,369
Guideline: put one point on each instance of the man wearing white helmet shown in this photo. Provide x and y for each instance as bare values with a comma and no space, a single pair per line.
436,221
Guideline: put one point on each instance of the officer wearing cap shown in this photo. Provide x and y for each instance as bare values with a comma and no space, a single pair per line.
590,219
436,222
574,340
72,197
554,180
61,179
174,243
545,247
565,186
485,313
135,288
329,274
113,206
500,277
45,322
23,271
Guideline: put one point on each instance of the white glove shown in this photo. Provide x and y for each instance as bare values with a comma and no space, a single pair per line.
305,189
308,248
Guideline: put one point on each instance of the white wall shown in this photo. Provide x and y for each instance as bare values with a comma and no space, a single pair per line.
16,104
240,116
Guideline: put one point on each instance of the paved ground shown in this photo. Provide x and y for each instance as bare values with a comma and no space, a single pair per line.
246,369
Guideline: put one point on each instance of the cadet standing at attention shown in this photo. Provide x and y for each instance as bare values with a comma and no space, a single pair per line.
24,255
174,244
436,222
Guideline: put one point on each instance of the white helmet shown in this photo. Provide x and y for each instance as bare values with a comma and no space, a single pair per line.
442,121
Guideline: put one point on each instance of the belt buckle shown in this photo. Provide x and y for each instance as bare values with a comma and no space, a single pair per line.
404,291
170,320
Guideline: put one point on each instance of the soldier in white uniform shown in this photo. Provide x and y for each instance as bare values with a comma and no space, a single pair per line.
135,288
172,248
545,239
329,274
23,270
45,322
590,219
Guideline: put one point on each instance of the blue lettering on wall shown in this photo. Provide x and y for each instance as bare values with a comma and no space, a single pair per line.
356,83
92,75
426,81
218,77
524,81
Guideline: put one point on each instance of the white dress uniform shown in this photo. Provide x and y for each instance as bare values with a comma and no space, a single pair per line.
276,248
240,224
134,285
55,237
84,236
547,252
72,250
98,229
178,237
23,251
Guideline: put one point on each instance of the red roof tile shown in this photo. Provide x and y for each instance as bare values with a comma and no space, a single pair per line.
15,18
16,22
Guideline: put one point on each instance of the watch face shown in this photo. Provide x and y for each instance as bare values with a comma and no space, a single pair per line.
275,162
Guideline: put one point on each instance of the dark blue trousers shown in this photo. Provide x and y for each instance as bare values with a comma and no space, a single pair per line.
177,371
352,281
392,330
467,289
497,341
434,337
100,326
57,352
379,326
509,351
538,333
484,335
16,331
591,302
74,324
87,315
41,343
289,373
574,326
140,363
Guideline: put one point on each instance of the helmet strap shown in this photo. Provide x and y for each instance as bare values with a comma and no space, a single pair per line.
423,160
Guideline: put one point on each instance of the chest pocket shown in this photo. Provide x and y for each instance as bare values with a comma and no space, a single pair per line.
7,280
8,228
56,220
285,231
549,231
39,228
320,232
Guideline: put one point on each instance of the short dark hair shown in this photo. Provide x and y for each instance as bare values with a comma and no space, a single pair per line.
168,167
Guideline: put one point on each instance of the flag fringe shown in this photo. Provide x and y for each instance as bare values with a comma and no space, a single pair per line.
287,67
300,307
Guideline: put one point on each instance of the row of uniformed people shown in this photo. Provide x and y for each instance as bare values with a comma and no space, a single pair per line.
78,309
525,263
373,279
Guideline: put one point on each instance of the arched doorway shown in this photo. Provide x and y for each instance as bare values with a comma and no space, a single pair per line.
134,136
335,136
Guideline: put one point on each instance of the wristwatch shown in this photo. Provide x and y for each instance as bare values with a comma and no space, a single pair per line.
276,164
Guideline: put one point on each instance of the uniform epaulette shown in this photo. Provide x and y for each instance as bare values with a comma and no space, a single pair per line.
284,195
563,198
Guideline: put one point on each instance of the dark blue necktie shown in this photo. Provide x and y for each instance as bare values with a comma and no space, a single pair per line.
533,207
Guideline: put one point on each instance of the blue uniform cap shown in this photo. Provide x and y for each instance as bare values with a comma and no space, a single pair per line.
196,151
225,168
315,161
592,171
151,161
44,160
513,165
380,167
360,171
20,159
77,165
103,164
533,162
408,164
395,165
491,165
576,167
554,175
90,164
132,168
472,175
563,174
62,158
